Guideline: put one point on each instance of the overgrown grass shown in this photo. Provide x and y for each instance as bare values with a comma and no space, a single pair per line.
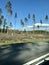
23,37
8,42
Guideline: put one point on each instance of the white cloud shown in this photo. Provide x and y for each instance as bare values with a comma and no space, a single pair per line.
37,25
41,25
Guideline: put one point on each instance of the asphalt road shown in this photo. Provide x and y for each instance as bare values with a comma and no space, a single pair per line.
18,54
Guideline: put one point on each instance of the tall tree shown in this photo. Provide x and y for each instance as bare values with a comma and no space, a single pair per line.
10,25
33,17
38,27
0,12
0,24
46,18
1,21
25,20
6,29
11,28
41,21
4,25
2,18
41,24
15,19
22,23
9,10
29,16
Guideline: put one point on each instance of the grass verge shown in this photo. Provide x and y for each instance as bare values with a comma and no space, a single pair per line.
8,42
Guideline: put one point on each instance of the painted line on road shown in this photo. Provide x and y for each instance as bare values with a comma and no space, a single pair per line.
40,62
37,59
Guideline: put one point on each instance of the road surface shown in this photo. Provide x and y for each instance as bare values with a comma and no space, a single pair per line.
18,54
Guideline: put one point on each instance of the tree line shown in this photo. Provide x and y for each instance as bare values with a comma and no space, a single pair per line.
4,25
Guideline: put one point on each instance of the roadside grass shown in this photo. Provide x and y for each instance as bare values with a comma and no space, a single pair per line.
37,40
7,39
8,42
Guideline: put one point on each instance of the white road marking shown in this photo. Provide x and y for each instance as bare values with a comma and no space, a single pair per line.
40,62
37,59
47,58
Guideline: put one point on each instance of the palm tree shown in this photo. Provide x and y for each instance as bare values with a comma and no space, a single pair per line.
15,18
33,17
46,18
9,10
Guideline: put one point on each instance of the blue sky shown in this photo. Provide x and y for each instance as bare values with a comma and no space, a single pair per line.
38,7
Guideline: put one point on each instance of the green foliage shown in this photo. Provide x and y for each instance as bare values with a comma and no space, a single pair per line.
46,17
33,17
0,11
0,21
25,19
10,24
29,16
9,10
4,26
15,15
22,23
38,26
41,21
8,5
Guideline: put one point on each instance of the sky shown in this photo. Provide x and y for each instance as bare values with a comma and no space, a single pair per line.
38,7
